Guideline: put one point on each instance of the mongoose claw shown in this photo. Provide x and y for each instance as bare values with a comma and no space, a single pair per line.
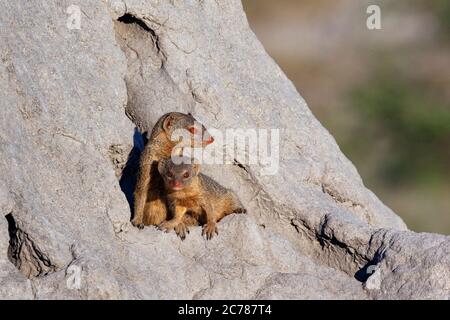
209,230
181,230
140,226
165,226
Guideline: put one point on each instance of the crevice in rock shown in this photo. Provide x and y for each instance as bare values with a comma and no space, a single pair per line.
25,254
296,227
130,19
240,165
337,245
330,250
365,272
339,198
126,165
346,202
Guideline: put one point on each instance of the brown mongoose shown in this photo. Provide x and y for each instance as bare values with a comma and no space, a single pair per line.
195,195
150,206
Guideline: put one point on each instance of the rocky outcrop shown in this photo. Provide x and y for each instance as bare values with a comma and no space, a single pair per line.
74,102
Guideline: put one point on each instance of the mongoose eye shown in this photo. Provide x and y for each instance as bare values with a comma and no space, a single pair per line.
192,130
186,175
169,174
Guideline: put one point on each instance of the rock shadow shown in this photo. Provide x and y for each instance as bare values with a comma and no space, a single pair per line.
129,174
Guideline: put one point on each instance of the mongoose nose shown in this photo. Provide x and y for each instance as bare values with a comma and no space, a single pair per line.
209,141
177,184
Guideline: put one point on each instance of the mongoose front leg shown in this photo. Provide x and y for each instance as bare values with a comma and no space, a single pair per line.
210,228
181,230
155,210
142,185
175,222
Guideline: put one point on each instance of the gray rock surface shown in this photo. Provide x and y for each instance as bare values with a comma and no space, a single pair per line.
70,102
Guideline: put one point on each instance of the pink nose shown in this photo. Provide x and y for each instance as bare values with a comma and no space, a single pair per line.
177,184
209,141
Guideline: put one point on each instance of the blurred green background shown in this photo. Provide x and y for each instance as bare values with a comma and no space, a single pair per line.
383,94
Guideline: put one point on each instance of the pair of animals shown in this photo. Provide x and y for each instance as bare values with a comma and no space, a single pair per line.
173,195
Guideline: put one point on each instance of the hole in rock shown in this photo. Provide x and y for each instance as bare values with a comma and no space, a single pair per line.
24,252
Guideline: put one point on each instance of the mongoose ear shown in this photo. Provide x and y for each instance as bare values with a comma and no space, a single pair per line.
196,168
161,166
168,122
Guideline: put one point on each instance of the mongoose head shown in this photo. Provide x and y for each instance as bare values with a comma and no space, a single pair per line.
179,126
178,176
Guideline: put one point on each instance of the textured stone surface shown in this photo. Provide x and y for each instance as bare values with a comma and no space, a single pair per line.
67,160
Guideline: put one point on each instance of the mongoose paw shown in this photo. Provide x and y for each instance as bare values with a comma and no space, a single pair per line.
181,230
166,226
209,230
137,224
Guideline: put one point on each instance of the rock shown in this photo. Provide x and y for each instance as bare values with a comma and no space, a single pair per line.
327,285
78,82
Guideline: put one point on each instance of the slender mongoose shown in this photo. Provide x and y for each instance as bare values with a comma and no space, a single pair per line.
193,194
